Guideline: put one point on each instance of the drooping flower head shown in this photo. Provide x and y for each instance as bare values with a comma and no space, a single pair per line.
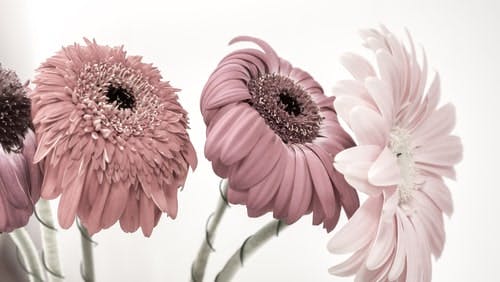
273,133
20,179
405,148
112,138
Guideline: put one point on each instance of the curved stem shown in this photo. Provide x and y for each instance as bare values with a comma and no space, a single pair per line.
49,242
200,264
29,254
251,244
87,268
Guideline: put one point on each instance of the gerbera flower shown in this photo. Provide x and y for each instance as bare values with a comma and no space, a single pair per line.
20,179
273,133
112,138
405,148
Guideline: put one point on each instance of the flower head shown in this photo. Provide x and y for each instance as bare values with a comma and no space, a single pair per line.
112,138
405,148
20,179
273,133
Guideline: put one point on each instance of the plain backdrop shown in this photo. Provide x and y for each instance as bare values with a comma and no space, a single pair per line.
186,39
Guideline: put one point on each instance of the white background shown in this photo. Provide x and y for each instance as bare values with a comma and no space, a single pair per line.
186,39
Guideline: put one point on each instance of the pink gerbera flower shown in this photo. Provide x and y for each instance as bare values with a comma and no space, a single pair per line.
112,138
405,148
273,133
20,179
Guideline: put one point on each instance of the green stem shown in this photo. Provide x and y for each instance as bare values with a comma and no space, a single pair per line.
29,254
49,242
87,269
251,244
200,264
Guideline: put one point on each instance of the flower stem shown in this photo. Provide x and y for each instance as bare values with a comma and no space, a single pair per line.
200,264
248,247
29,254
49,242
87,268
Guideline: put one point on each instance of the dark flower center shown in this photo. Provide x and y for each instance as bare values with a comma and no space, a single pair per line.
286,107
120,96
15,112
290,103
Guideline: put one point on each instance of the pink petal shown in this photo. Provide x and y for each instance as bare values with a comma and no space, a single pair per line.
146,215
383,245
93,223
385,170
345,103
321,183
444,151
236,196
172,203
258,164
360,229
382,95
263,192
68,204
347,195
439,123
222,126
115,205
129,221
351,265
357,154
439,193
241,139
368,126
273,59
358,66
282,200
302,187
400,255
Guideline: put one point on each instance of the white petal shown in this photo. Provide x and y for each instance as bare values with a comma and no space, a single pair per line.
385,170
368,126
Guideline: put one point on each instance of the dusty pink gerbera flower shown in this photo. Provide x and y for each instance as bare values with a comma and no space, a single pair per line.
405,148
112,138
20,179
273,133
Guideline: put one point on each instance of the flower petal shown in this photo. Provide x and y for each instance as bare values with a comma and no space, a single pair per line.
263,192
321,183
382,95
385,170
240,140
254,168
302,187
383,245
351,265
282,200
358,154
437,191
360,229
368,126
358,66
445,151
439,123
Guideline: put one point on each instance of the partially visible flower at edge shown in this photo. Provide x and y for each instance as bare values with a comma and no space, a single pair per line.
273,134
111,137
405,148
20,179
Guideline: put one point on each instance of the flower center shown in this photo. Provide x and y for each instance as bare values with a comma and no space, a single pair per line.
400,146
120,96
286,108
15,112
117,98
290,103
